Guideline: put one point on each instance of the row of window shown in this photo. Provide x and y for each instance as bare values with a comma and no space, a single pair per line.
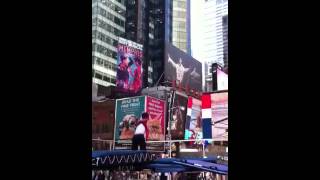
108,15
106,64
105,38
221,1
179,4
179,14
114,6
180,24
102,24
179,34
103,50
180,45
110,4
104,77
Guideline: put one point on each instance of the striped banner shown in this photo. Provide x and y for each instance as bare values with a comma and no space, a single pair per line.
206,116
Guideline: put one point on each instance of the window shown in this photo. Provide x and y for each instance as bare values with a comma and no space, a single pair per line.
121,1
103,12
110,17
98,76
182,4
94,10
114,55
113,80
106,78
94,21
93,34
99,61
115,42
218,1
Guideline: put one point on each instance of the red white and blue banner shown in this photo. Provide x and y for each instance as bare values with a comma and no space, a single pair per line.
215,116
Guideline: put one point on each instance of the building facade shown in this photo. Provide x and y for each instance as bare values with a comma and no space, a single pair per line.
180,33
108,24
215,37
152,23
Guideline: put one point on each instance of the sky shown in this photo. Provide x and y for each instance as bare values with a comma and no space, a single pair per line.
196,24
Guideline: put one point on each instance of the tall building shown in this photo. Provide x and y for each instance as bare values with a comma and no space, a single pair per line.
151,23
215,37
108,24
180,33
225,40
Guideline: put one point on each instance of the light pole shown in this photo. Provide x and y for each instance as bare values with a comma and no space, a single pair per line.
171,103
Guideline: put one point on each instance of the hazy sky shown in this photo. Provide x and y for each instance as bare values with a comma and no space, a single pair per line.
196,24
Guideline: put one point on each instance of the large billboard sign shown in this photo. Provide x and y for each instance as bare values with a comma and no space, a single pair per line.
193,125
222,80
219,106
179,112
182,69
103,119
155,108
128,112
219,78
129,66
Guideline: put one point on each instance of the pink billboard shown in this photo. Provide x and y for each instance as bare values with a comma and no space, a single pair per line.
155,108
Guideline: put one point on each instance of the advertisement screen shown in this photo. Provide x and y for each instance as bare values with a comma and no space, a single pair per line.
219,106
179,112
128,112
129,66
193,127
103,120
182,68
222,80
155,108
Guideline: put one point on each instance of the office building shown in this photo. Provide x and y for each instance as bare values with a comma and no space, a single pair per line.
151,23
215,37
108,24
181,25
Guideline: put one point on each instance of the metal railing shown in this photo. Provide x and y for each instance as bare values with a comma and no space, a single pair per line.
112,143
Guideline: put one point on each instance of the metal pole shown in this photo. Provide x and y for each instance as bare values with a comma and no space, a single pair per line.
203,150
170,116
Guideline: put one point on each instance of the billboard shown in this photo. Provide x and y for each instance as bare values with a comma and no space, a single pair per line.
182,68
103,117
219,106
128,112
222,80
179,112
193,125
155,108
219,78
129,66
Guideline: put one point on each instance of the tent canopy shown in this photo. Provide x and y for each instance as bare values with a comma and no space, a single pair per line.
145,159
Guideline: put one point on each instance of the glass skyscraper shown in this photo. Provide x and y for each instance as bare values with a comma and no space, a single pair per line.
215,37
108,24
151,23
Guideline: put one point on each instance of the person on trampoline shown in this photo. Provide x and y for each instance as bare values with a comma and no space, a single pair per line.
141,133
